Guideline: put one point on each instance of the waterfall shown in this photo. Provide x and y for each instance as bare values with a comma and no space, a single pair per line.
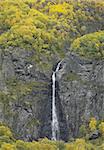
55,123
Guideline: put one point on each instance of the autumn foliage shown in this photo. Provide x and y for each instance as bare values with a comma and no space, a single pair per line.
50,27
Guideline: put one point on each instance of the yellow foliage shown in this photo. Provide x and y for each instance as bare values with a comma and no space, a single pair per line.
92,124
46,144
101,127
69,146
5,131
90,45
49,27
60,21
59,8
30,1
79,144
8,147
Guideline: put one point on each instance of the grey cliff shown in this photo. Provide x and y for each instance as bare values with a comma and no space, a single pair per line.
25,94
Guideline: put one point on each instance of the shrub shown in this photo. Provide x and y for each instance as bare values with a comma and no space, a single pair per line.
92,124
101,127
90,45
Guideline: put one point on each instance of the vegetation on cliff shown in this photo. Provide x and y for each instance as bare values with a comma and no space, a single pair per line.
90,45
7,142
48,27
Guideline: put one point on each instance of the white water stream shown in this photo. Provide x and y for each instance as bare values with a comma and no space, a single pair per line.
55,123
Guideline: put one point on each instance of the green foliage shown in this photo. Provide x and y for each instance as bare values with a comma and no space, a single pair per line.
91,127
48,27
80,144
83,131
90,45
20,145
5,131
6,135
8,143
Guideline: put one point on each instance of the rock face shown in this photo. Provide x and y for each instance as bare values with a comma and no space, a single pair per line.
81,91
25,93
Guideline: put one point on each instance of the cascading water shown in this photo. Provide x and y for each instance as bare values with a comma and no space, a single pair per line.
55,123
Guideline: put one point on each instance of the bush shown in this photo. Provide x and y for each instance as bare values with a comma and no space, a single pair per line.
90,45
101,127
5,131
8,147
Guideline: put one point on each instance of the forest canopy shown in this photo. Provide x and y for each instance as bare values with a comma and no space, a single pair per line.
90,45
48,27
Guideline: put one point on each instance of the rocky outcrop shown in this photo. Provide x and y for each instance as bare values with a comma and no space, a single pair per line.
81,91
25,93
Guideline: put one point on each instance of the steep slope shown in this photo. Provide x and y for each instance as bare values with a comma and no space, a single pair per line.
34,37
81,91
